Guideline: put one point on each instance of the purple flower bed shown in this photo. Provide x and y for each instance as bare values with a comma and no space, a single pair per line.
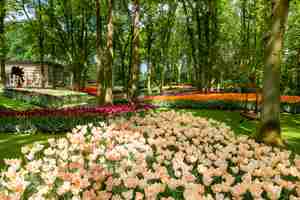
80,111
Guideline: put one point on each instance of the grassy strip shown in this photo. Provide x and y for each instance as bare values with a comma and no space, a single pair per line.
11,104
10,145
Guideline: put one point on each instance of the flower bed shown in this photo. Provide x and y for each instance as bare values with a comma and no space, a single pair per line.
161,156
92,90
198,96
47,97
60,120
230,101
195,99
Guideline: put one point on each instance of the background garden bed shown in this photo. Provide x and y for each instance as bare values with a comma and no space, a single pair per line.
220,104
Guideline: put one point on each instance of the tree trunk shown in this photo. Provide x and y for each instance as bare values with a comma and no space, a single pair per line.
195,59
150,39
76,76
270,130
2,43
200,68
149,75
298,72
162,78
104,57
179,67
189,70
108,89
41,45
99,55
123,69
135,66
123,64
54,84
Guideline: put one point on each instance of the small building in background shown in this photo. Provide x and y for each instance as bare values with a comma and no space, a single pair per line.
55,74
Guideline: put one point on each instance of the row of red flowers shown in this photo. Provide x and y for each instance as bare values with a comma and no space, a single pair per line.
92,90
199,96
103,110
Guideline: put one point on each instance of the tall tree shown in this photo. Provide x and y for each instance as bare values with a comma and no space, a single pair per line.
169,14
270,131
73,30
104,57
135,65
99,50
149,40
52,41
2,42
108,89
41,38
191,33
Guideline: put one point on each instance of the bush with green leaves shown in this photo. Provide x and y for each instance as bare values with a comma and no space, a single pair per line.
62,120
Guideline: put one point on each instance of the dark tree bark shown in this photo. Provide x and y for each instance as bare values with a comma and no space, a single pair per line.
2,42
270,131
51,5
41,38
99,56
298,72
243,50
135,65
150,40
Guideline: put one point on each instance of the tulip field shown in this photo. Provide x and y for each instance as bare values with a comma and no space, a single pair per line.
167,155
200,96
149,100
153,153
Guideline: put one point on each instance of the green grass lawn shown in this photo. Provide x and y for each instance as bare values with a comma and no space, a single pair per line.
10,145
7,103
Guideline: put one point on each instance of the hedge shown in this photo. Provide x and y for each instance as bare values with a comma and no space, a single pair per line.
62,120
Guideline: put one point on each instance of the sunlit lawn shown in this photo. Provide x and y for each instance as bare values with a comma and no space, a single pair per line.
7,103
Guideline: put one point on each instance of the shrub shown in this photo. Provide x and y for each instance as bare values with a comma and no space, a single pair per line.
61,120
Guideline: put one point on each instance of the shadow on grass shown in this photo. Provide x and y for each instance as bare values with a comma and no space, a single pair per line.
294,144
10,145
